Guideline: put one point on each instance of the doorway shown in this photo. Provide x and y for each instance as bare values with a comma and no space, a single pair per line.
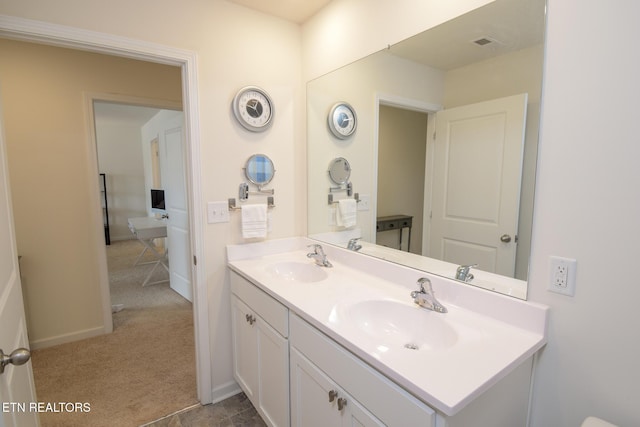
472,181
97,43
402,146
140,158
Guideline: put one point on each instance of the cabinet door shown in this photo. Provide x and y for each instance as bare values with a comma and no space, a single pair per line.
357,415
317,401
245,348
311,405
273,374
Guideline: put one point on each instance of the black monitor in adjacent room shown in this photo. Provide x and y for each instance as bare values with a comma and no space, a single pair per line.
157,201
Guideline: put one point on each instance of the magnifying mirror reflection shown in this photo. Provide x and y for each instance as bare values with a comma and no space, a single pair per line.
339,170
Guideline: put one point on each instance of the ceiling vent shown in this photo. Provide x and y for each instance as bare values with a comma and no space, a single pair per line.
486,41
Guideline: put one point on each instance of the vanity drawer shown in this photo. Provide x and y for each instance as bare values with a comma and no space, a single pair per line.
274,313
383,398
393,222
389,225
405,222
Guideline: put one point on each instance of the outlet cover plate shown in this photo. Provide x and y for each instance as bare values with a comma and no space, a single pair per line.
562,275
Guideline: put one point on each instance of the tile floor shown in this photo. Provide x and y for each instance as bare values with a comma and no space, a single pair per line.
236,411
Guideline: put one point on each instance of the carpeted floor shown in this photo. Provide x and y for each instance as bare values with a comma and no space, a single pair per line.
144,370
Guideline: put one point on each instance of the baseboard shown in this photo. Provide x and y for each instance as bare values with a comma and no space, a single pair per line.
225,391
122,238
66,338
182,288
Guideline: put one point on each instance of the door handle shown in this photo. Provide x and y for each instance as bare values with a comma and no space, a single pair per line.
505,238
17,357
341,403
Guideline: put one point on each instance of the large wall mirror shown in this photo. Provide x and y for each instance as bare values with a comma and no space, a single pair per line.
446,143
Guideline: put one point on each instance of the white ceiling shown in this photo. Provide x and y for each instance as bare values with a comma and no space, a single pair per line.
133,115
297,11
511,24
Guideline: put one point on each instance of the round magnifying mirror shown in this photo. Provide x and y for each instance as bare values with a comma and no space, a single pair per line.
339,170
259,169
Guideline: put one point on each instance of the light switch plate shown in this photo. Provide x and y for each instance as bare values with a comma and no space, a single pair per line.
363,204
217,212
331,215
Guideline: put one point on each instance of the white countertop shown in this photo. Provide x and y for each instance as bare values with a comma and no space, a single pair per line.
493,333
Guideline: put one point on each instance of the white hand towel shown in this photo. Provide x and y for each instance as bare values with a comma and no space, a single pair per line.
254,221
346,215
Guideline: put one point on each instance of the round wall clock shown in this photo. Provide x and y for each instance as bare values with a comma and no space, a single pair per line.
342,120
253,108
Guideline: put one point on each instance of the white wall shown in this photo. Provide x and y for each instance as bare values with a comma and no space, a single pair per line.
120,159
345,31
587,203
587,208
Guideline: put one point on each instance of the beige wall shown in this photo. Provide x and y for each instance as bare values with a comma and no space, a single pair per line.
49,150
235,47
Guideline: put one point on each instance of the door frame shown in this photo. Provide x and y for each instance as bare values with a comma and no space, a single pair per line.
74,38
430,110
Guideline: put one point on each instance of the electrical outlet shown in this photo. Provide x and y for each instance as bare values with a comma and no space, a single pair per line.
562,277
217,212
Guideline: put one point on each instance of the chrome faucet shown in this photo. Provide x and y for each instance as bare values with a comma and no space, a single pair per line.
462,272
353,244
425,296
319,256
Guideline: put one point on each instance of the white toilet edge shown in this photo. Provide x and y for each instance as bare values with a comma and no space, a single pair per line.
596,422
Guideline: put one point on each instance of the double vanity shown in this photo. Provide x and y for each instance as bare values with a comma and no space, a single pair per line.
344,343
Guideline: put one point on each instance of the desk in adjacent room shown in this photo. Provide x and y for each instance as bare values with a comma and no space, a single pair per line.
146,230
396,222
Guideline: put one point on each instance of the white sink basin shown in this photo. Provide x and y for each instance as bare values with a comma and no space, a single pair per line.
394,324
294,271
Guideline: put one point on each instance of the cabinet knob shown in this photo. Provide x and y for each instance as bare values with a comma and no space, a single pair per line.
250,318
341,404
332,395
